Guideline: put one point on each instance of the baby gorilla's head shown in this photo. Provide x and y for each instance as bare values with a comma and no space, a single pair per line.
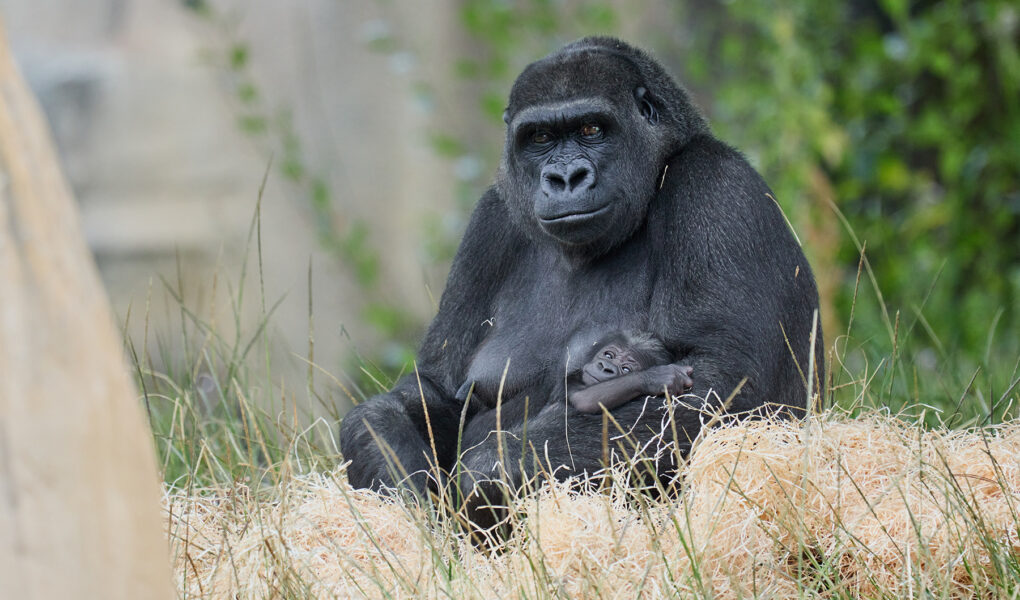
623,352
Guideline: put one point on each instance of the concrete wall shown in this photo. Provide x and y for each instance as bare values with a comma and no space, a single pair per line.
147,130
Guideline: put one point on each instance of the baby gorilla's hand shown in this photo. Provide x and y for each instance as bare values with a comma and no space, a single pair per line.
676,379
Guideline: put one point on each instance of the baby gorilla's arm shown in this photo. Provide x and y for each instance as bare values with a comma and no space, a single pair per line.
612,393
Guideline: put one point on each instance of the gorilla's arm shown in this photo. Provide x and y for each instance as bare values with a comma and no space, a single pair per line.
398,418
734,273
609,394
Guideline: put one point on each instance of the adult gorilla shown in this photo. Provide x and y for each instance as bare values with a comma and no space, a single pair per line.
614,209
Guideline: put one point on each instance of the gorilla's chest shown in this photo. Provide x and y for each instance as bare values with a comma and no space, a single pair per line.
547,317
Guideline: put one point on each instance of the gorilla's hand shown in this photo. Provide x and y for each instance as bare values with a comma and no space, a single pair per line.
674,378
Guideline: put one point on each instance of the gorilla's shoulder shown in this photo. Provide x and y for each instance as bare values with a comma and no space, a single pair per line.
708,150
492,224
490,213
707,165
490,202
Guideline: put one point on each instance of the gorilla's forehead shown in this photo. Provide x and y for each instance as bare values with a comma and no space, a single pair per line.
573,75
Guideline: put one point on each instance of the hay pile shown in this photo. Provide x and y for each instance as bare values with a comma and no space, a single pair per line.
830,506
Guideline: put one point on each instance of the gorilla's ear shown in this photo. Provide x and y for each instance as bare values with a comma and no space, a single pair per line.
645,105
506,117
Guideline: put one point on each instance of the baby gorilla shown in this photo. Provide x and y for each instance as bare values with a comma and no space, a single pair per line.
626,365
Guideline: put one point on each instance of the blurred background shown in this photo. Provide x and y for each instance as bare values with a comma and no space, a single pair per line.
284,182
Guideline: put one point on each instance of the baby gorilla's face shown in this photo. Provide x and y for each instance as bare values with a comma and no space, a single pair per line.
610,361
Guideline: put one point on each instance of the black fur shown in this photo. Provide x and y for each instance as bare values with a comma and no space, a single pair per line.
689,246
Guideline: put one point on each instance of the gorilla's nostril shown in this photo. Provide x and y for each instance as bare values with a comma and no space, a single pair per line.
554,182
578,177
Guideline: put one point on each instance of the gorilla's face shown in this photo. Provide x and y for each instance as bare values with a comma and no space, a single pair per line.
570,155
582,161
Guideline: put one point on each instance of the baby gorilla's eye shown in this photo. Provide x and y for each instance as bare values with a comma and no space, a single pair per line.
591,130
626,369
608,354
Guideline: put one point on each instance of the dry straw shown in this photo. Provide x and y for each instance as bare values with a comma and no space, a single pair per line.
829,507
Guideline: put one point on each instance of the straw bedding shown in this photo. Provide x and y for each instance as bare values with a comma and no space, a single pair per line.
826,507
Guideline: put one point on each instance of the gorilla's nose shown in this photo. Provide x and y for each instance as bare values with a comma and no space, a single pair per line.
568,179
607,367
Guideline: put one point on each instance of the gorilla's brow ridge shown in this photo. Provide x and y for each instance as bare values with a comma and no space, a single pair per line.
587,104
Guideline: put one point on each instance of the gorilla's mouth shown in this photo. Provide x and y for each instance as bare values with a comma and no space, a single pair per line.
569,218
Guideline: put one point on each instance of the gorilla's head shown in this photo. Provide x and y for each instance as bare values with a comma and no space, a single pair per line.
589,131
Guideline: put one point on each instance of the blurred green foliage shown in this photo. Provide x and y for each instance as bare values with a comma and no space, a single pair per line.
912,114
908,113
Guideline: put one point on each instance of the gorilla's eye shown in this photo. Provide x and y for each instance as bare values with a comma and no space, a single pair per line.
608,354
591,130
541,137
626,369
